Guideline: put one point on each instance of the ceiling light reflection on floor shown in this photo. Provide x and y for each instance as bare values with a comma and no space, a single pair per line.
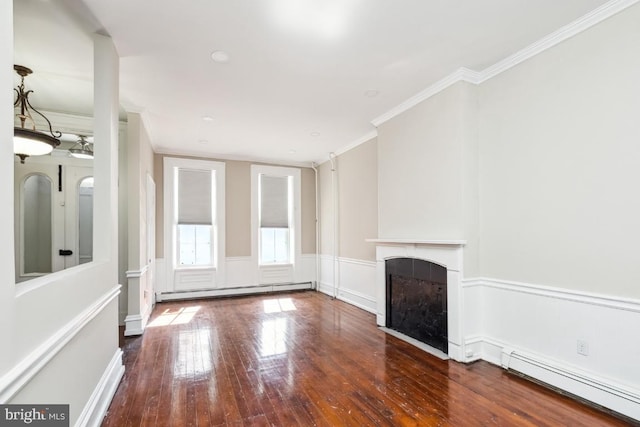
178,316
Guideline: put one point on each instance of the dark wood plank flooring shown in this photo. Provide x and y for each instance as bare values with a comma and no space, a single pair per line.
305,359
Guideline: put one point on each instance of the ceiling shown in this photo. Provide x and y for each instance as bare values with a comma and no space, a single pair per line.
304,77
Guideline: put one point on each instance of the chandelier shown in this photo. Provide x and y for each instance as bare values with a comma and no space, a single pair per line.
82,149
27,141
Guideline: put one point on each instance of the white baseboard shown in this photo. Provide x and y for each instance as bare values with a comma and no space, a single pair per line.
135,324
98,404
584,384
534,329
246,290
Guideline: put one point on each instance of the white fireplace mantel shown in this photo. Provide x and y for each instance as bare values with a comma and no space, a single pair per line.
419,242
447,253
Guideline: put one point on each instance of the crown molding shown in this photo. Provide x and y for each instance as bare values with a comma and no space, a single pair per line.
581,24
222,157
364,138
587,21
461,74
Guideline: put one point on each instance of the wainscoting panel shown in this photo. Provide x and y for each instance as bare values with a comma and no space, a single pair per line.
582,343
242,276
240,272
355,281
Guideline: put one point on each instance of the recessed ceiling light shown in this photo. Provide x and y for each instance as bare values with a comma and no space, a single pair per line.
292,151
371,93
315,134
203,141
220,56
207,118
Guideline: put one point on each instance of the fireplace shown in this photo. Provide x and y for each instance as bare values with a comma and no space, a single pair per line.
447,255
416,298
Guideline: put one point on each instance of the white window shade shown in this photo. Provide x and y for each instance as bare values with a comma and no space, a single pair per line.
194,196
274,201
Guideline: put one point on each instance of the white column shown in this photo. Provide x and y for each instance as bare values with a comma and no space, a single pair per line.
106,101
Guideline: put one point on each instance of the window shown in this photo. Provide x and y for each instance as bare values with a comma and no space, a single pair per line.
195,214
276,214
194,226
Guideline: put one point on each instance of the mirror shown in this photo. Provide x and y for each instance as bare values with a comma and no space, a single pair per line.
53,214
53,193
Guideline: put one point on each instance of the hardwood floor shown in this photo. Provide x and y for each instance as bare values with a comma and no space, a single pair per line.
305,359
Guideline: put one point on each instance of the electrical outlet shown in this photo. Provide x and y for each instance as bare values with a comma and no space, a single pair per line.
583,348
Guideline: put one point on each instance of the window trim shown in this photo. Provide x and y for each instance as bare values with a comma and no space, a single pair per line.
171,218
295,227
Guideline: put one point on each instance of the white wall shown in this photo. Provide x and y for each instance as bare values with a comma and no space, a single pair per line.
140,266
428,165
65,322
559,161
348,197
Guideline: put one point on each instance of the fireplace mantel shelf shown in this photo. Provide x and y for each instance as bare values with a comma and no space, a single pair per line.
418,242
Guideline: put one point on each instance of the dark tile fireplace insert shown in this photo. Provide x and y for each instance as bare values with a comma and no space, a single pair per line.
417,300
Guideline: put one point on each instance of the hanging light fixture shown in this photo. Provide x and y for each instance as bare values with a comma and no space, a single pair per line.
82,149
29,141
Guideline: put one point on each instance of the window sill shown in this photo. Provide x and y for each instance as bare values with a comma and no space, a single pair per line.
195,267
287,264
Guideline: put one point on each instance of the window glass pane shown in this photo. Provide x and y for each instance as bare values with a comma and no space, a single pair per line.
274,245
267,247
281,245
194,242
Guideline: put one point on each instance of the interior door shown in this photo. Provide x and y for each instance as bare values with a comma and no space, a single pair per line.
78,215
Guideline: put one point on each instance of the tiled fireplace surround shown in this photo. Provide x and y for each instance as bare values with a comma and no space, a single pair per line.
447,253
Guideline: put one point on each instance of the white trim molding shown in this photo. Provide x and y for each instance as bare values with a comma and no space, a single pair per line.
13,381
617,303
174,273
235,291
459,75
96,408
134,274
581,24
